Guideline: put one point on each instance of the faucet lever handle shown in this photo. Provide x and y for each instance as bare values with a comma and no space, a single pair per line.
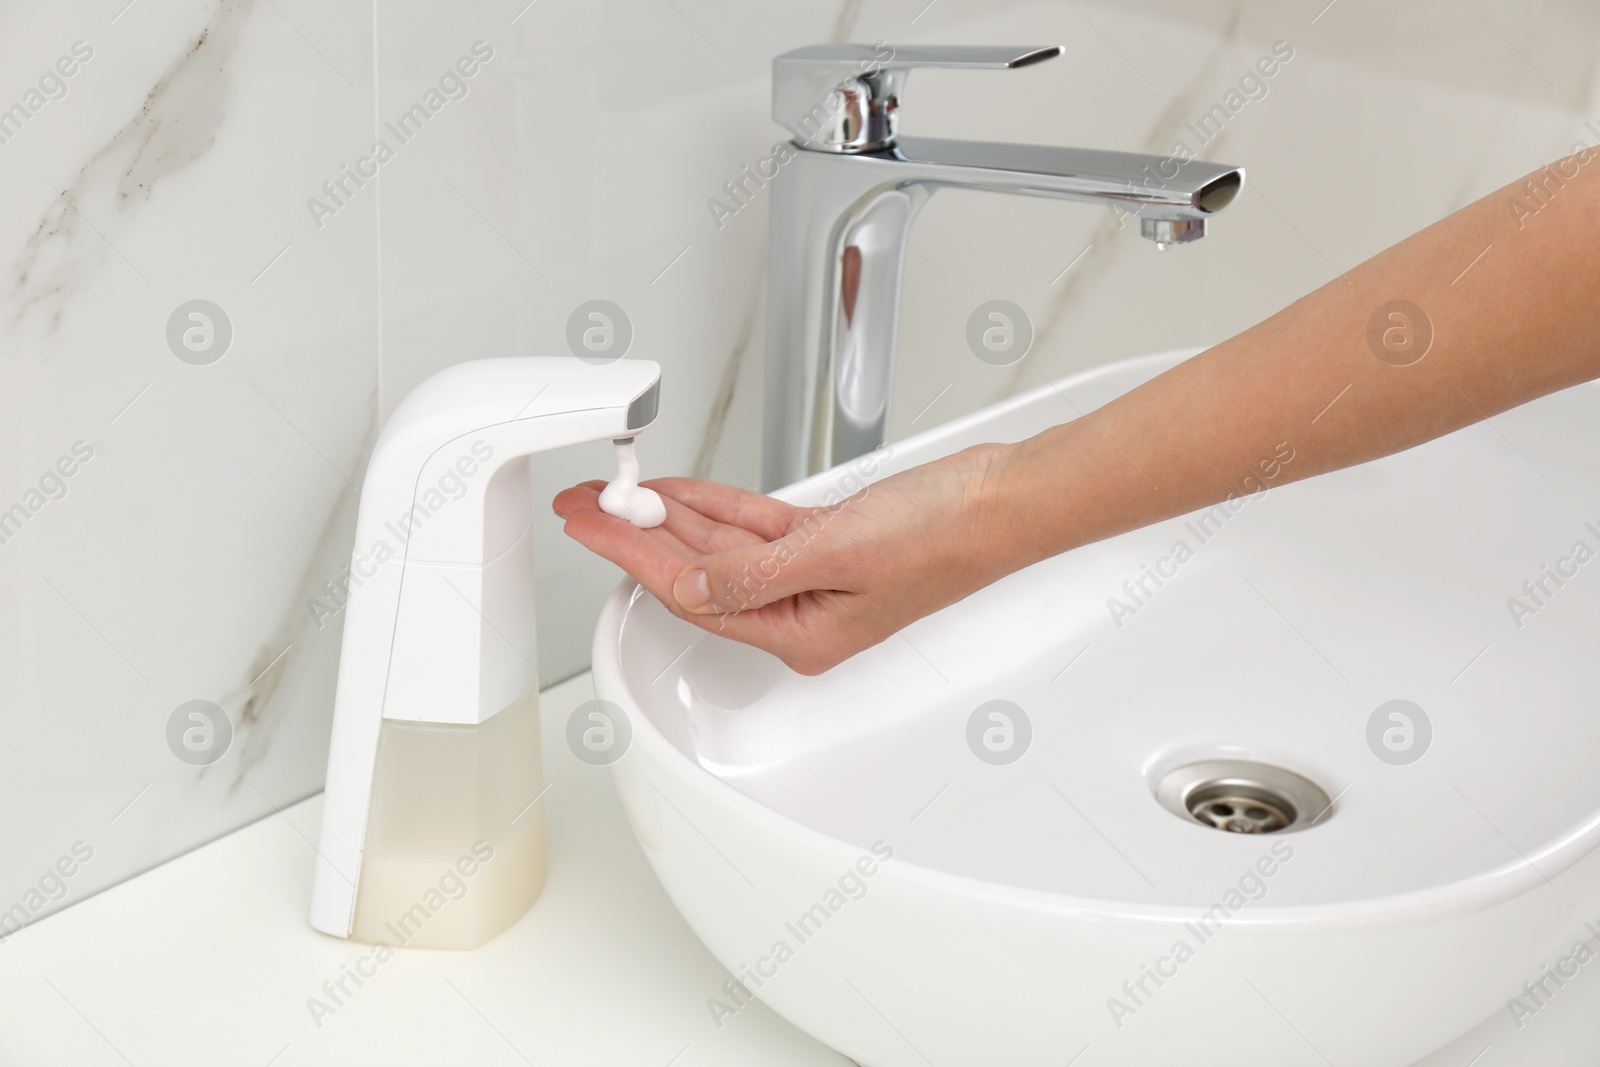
846,97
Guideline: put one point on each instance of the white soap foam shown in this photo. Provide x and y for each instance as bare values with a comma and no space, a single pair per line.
625,498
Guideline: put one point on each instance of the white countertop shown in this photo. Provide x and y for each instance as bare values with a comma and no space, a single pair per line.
209,960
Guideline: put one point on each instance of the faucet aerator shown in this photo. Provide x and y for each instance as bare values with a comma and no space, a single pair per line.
1168,232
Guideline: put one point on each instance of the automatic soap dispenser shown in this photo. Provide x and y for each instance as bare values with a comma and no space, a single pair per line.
429,837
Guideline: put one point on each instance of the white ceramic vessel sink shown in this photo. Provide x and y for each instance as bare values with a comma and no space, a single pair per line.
1041,908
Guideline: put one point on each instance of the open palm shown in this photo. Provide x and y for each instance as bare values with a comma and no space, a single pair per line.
812,586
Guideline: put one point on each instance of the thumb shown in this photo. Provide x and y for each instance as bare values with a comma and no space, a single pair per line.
751,576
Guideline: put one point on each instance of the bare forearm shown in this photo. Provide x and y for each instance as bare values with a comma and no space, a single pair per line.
1523,321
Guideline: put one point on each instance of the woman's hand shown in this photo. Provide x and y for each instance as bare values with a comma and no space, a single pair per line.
812,586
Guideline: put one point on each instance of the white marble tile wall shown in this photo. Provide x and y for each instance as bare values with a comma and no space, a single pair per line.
208,502
208,494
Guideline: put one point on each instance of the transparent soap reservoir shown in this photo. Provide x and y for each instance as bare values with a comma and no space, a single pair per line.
454,850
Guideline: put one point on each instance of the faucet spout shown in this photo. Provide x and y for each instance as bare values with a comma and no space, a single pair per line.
1157,187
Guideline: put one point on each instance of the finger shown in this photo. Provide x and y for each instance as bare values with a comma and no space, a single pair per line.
584,496
726,504
705,535
698,533
809,633
753,576
655,563
617,539
772,629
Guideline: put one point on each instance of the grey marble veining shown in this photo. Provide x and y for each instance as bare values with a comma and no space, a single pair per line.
174,125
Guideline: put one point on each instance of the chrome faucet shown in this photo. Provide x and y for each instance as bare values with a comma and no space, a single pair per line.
844,202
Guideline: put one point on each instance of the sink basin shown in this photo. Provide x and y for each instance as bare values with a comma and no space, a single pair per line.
876,856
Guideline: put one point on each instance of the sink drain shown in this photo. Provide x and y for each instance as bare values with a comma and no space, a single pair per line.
1241,797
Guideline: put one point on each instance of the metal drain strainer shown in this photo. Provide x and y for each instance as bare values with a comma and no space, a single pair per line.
1243,797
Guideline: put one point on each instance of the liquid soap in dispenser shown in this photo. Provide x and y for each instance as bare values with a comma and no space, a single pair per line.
430,834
